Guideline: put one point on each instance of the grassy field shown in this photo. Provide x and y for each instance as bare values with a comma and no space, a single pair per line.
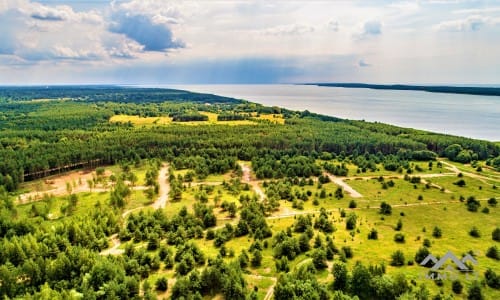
437,208
212,120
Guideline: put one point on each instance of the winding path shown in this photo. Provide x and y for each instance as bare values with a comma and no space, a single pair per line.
247,178
160,203
164,188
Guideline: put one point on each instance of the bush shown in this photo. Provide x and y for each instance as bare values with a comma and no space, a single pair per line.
352,204
350,222
492,252
399,238
492,201
319,259
397,258
256,258
161,284
456,286
347,251
495,235
421,254
436,232
474,232
460,183
373,235
399,225
472,204
492,279
385,209
475,292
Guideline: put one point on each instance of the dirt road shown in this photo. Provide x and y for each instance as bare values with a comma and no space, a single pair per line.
164,188
247,178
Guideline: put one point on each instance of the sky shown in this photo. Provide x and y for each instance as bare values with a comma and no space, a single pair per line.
205,42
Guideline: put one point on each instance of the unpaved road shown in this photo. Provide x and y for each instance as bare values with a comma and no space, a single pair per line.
247,178
113,250
164,188
339,181
158,204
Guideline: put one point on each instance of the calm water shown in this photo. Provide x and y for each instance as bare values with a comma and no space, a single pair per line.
464,115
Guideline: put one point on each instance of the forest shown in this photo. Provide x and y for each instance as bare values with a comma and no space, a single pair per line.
232,166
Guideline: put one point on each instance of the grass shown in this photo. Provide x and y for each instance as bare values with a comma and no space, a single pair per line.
138,121
419,218
212,120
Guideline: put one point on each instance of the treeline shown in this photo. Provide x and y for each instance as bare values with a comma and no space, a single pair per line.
468,90
232,117
108,93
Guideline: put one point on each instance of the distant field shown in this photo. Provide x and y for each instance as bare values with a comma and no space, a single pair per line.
212,119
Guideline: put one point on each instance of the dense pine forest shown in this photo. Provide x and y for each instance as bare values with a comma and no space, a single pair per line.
263,159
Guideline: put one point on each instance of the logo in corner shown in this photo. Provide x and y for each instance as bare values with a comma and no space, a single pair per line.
459,264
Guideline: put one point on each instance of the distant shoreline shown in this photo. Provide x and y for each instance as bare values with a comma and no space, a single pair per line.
466,90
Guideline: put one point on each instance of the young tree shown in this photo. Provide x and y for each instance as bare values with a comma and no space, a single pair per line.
475,292
256,258
398,258
161,284
319,259
385,208
340,276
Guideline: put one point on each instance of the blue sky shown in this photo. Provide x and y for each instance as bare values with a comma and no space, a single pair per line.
161,42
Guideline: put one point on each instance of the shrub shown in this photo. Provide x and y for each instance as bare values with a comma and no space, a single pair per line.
347,250
475,292
161,284
256,258
456,286
492,279
397,258
460,183
492,252
421,254
436,232
399,225
474,232
385,208
319,259
399,238
472,204
492,201
352,204
350,222
373,235
495,235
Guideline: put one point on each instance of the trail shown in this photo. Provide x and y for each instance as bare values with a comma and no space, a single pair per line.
247,178
270,291
339,181
113,250
164,188
158,204
483,178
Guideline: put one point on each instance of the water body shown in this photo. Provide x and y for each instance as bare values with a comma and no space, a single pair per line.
463,115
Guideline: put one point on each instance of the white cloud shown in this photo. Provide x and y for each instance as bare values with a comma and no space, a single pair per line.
291,29
471,23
